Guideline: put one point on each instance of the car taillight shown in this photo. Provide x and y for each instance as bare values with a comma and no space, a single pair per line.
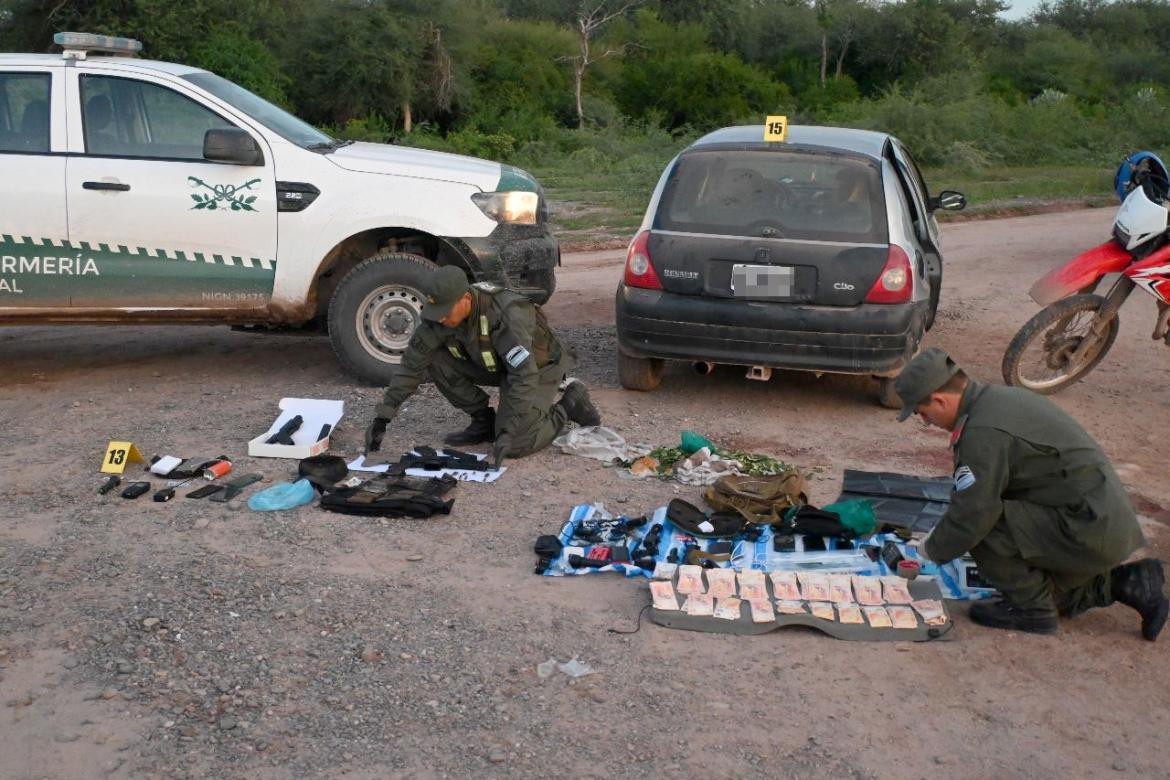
639,270
894,284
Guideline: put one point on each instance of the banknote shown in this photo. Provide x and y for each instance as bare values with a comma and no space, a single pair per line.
752,586
664,570
721,582
690,579
877,617
840,589
814,586
902,616
869,591
762,611
849,613
790,607
895,590
931,610
699,604
823,610
728,608
663,593
784,585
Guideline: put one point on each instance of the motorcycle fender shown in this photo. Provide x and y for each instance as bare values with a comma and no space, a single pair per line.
1080,272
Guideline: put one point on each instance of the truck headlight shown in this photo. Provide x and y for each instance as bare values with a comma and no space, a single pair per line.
520,208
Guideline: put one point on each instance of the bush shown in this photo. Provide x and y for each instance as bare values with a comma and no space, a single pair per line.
372,128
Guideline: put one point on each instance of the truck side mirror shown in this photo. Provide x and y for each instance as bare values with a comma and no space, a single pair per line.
949,200
233,146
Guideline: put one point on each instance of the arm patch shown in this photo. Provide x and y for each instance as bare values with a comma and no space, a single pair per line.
516,356
964,478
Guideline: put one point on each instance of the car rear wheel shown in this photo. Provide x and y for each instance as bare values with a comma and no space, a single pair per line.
375,311
636,373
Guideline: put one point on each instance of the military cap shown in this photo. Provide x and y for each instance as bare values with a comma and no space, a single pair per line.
927,372
448,284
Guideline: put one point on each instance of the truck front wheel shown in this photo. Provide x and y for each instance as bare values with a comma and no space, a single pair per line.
374,312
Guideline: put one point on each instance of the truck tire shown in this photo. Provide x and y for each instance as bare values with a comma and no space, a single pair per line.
636,373
887,395
374,312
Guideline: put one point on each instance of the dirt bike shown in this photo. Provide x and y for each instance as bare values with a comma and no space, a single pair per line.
1076,328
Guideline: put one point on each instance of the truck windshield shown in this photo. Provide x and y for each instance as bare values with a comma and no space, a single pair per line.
274,118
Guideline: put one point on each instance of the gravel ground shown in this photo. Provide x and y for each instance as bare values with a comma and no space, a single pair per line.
192,639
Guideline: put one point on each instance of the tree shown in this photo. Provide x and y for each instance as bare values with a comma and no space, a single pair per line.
587,24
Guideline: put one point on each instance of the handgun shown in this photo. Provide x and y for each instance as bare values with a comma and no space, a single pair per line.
284,435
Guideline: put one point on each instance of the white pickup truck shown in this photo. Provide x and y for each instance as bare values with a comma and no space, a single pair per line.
138,191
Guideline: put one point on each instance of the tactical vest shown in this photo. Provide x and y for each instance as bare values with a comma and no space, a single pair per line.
545,348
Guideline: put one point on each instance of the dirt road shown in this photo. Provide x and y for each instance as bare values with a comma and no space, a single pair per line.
191,639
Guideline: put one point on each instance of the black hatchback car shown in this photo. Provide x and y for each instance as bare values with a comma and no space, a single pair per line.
820,253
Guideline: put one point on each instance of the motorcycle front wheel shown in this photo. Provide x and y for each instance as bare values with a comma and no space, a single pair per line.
1040,356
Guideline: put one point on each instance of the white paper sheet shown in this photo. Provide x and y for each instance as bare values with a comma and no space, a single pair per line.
463,475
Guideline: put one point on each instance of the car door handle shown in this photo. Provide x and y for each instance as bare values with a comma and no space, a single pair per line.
105,185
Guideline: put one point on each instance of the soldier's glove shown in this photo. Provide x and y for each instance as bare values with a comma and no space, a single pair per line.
375,433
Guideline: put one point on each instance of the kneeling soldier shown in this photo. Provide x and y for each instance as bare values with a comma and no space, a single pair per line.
482,334
1035,501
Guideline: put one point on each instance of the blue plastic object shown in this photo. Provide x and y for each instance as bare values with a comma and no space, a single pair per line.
1123,180
285,495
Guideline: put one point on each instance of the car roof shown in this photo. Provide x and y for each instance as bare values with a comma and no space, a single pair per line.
126,63
846,139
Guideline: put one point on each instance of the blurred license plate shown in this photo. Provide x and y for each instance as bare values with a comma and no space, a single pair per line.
761,281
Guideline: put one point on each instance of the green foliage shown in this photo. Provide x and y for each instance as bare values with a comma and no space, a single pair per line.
230,51
674,75
1080,83
373,128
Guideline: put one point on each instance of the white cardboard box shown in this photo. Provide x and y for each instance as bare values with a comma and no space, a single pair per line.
316,413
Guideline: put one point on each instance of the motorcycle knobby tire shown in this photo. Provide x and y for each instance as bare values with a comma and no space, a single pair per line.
1036,327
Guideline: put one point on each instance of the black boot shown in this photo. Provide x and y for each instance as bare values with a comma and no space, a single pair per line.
482,429
1001,614
1139,585
577,406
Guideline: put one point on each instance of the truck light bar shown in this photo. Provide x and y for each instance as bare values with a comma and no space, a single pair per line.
77,45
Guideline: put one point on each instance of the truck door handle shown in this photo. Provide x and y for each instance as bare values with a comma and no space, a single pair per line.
105,185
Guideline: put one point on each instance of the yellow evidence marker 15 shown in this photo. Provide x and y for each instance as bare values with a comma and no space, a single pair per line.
776,128
118,454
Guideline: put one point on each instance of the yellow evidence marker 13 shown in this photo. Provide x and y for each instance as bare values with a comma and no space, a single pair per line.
118,454
776,128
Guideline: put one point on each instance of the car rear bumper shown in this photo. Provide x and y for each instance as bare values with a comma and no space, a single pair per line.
863,339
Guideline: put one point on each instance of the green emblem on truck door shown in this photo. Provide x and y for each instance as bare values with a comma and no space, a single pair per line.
222,195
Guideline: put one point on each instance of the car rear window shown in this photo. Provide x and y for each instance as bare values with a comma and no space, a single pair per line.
780,194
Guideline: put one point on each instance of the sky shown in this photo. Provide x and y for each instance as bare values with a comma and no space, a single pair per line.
1019,8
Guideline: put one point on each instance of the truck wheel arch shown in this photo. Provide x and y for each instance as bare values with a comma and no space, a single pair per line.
348,253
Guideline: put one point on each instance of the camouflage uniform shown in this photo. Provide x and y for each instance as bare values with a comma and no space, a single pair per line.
1035,501
504,342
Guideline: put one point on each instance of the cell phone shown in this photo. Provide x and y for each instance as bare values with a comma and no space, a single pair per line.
235,487
205,491
136,489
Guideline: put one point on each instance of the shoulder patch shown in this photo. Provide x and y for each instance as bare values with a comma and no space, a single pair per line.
964,478
516,356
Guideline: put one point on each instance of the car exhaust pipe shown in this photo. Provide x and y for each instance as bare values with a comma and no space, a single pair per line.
702,367
759,373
